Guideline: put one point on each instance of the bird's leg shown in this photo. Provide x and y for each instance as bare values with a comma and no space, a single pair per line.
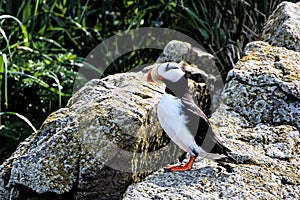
186,167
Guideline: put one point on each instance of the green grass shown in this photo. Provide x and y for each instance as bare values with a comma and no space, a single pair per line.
224,27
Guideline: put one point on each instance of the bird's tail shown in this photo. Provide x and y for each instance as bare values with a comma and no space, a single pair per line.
229,157
226,151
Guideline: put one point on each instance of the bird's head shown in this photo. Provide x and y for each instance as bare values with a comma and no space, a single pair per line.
166,72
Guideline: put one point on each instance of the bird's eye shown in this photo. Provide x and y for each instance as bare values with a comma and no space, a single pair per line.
168,67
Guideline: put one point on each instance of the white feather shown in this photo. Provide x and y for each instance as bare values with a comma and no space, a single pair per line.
173,122
172,75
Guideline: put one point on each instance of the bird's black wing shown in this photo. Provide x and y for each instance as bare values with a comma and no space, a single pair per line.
199,126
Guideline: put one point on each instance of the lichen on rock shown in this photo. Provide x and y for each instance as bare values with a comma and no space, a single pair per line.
282,27
258,119
69,155
105,138
261,91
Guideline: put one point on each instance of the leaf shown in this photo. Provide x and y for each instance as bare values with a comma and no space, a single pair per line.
129,3
26,11
204,33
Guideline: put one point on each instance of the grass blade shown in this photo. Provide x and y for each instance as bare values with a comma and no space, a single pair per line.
22,26
26,120
7,42
3,70
40,82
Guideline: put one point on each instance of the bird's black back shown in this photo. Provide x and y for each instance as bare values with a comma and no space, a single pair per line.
199,126
197,122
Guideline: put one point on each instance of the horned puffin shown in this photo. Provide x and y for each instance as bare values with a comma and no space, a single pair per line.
183,121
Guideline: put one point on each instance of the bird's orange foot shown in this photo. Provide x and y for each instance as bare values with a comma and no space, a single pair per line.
176,168
169,167
181,168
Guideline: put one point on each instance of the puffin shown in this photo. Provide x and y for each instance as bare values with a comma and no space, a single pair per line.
183,121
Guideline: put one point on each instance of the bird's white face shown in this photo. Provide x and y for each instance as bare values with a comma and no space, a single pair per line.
170,71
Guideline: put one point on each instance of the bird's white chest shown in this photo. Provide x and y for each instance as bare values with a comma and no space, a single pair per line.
173,121
169,107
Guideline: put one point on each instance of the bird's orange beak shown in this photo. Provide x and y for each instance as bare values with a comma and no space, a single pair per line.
149,78
156,79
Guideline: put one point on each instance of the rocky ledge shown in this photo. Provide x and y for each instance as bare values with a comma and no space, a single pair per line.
258,119
103,140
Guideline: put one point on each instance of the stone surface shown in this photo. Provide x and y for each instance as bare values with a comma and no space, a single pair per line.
75,152
258,120
271,86
282,27
107,137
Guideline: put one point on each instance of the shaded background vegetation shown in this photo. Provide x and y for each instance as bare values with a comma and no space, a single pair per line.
43,44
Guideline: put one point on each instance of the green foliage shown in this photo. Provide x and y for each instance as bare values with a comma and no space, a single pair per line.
224,27
37,69
13,133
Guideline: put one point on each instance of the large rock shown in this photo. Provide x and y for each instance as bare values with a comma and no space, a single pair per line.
282,27
271,86
259,120
106,137
75,152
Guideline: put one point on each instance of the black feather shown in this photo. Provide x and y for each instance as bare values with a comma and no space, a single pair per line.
198,123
